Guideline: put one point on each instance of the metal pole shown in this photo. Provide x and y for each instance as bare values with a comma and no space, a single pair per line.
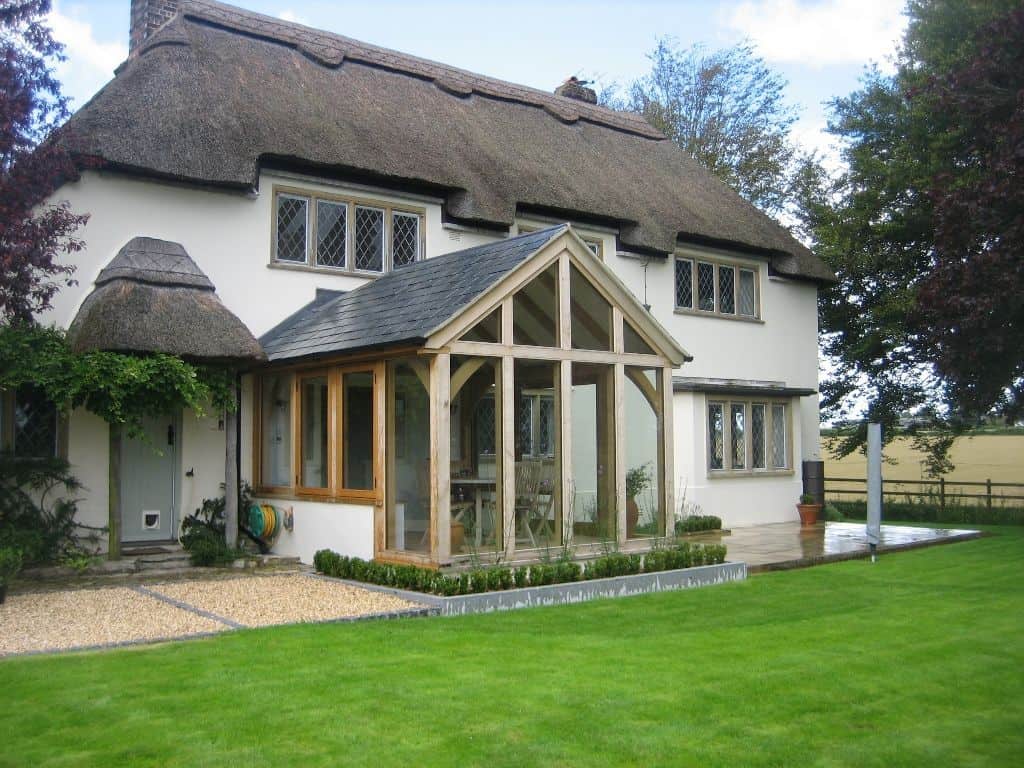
874,517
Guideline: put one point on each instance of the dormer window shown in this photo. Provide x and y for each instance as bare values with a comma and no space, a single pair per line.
344,234
718,288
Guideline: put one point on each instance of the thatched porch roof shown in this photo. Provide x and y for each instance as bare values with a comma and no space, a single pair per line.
153,298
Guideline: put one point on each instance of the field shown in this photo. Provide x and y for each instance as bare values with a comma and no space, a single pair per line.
998,457
914,661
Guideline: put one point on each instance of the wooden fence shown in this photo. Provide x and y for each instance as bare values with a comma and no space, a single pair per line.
942,491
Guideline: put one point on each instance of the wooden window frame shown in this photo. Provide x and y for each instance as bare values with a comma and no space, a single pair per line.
351,202
717,265
748,470
334,492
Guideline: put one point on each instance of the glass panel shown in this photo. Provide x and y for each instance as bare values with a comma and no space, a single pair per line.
292,221
276,430
716,436
313,413
408,434
537,521
684,283
593,458
778,446
591,315
545,426
35,424
475,506
758,436
746,294
331,233
357,431
535,311
487,330
632,342
595,247
726,290
405,239
369,239
642,453
706,286
737,431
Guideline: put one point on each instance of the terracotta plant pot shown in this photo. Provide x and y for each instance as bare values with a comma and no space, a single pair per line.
632,517
808,513
458,536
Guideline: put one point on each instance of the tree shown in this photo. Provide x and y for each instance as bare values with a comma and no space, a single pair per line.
726,109
33,233
923,228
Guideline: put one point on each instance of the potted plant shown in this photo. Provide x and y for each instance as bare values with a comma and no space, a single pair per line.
808,509
10,566
637,480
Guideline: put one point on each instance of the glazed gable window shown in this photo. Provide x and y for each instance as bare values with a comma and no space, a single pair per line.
337,233
748,436
728,290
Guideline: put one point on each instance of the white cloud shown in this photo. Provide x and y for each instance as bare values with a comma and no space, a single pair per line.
822,33
90,62
292,16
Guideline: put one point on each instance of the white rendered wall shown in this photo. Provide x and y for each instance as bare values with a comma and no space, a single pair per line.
345,528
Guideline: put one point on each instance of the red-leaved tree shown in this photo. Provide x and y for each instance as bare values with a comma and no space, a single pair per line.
34,232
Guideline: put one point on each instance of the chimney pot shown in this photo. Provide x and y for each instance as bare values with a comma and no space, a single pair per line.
574,88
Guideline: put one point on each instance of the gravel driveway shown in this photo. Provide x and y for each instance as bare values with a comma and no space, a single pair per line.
84,618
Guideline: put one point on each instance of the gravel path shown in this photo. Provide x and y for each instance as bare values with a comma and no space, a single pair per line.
50,621
78,618
264,600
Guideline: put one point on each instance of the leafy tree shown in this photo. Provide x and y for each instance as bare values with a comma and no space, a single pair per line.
923,228
726,109
33,234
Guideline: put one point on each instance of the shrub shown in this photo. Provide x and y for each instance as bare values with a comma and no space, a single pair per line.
830,514
10,564
37,510
202,532
520,577
923,512
697,523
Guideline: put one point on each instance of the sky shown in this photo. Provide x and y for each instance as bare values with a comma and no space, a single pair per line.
820,46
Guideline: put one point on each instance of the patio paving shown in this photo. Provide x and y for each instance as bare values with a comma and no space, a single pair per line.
789,545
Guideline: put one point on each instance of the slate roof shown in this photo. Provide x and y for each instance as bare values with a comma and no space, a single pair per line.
401,307
220,92
152,297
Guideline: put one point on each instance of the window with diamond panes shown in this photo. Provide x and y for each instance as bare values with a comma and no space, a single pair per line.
716,436
778,443
758,436
705,286
726,290
331,233
35,424
292,227
684,283
485,426
737,433
369,239
546,426
526,426
405,239
746,294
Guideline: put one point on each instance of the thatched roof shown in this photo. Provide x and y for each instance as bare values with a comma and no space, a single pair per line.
219,91
153,298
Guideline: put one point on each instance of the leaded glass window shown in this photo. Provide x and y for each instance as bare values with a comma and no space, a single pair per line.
684,283
35,424
726,288
405,239
292,228
746,294
485,427
737,435
369,239
716,434
546,426
331,233
757,436
706,286
525,426
778,444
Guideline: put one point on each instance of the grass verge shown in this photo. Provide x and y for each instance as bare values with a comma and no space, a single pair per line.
916,660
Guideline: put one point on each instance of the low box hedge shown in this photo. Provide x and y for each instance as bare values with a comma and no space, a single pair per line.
498,578
698,523
920,512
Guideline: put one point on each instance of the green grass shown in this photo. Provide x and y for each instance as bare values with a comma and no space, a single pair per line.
916,660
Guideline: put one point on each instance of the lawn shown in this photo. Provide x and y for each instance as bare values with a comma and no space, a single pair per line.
916,660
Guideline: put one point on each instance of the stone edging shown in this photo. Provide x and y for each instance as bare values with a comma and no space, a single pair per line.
571,592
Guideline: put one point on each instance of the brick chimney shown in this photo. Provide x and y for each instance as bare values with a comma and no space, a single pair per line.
147,16
574,88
